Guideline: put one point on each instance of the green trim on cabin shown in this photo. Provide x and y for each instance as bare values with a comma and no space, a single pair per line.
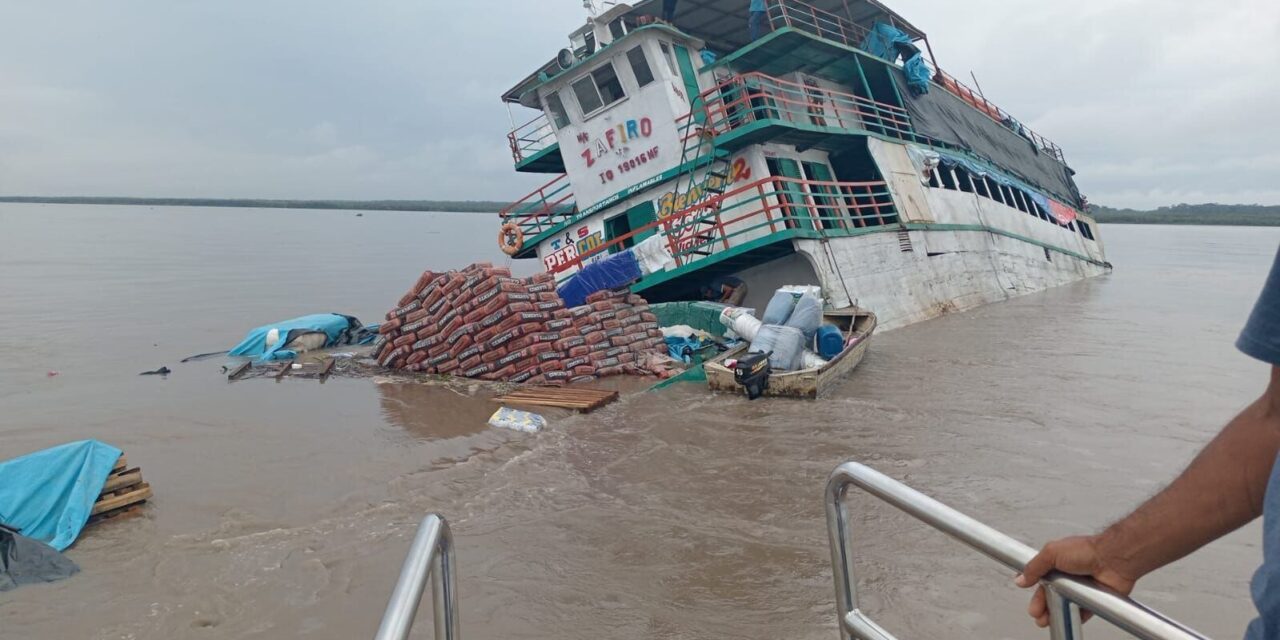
543,162
787,235
691,86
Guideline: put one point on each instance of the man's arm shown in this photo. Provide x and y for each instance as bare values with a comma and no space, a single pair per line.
1222,490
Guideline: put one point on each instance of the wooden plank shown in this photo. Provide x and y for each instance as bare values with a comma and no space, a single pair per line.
584,400
284,370
239,371
121,463
327,368
123,480
142,492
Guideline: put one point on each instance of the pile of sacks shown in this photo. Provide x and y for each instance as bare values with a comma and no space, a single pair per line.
483,323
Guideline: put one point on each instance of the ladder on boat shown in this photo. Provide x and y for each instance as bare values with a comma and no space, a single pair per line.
432,556
697,136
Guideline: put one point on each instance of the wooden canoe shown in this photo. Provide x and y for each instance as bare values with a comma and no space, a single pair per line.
857,326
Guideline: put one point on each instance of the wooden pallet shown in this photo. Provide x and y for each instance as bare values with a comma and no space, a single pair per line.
122,493
582,400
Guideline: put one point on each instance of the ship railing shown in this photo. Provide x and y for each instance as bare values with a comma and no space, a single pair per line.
805,17
531,137
696,231
976,100
1067,595
748,98
545,208
431,557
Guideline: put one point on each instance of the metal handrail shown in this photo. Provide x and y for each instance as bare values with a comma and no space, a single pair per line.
1067,594
531,137
431,556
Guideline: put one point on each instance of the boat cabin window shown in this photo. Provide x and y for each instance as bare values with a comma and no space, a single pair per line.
640,66
1085,229
598,89
670,58
555,107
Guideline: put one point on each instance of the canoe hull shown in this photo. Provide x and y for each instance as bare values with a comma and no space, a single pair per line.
809,383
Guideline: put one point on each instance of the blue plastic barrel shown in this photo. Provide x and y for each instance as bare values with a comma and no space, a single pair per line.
830,341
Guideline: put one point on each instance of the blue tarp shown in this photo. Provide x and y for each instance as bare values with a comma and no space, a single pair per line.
618,270
883,41
338,330
918,74
977,169
48,495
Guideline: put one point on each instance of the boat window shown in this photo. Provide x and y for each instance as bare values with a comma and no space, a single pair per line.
598,89
670,58
982,187
1085,229
1020,199
559,117
993,190
964,180
934,180
948,179
640,66
607,81
588,96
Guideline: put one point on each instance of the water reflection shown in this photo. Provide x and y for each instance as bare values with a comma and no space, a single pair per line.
435,412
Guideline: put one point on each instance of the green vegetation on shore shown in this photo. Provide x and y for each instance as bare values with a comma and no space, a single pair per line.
1207,214
1245,215
466,206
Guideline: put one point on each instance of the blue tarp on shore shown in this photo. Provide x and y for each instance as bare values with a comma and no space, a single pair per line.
338,330
48,495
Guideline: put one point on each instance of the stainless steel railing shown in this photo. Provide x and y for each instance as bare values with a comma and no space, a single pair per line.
1067,594
431,556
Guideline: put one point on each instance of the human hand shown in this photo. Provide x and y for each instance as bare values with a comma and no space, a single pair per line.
1080,556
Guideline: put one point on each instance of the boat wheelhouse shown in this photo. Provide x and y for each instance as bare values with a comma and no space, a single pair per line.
829,150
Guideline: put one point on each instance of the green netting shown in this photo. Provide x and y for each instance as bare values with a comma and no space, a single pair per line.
699,315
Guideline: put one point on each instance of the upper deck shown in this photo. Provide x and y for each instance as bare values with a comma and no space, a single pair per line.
812,37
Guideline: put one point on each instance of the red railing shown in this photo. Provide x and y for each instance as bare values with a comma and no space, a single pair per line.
531,137
977,101
803,16
548,206
753,97
757,209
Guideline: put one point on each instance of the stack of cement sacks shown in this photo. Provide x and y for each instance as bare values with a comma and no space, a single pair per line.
482,323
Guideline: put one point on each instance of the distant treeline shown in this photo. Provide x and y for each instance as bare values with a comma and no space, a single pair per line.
465,206
1211,214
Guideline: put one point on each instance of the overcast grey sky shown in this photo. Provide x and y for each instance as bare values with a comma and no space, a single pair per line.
1155,101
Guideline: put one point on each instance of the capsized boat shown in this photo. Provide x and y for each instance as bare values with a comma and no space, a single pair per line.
854,323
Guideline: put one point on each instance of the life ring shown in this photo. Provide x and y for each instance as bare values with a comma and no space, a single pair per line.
510,238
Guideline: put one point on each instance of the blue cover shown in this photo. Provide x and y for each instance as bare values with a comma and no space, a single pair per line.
618,270
882,41
918,75
48,495
339,329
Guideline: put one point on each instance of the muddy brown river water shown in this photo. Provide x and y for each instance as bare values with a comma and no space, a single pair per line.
284,510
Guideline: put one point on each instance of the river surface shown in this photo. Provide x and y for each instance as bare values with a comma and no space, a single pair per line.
284,510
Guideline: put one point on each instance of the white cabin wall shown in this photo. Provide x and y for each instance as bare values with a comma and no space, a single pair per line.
904,181
633,140
941,272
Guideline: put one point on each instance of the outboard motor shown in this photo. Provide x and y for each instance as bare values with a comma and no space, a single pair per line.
752,372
